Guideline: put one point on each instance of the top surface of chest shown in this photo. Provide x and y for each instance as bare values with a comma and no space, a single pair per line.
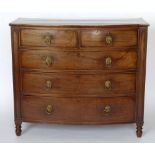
49,22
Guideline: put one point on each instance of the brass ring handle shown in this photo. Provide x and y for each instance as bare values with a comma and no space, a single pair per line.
108,84
109,40
48,39
49,109
48,84
107,109
48,60
108,61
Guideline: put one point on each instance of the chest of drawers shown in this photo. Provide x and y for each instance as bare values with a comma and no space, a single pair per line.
79,72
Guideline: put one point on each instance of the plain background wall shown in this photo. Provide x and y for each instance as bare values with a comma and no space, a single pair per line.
71,9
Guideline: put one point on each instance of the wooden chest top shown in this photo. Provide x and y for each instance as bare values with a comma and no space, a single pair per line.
49,22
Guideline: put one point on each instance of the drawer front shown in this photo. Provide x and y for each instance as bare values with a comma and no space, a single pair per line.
108,38
78,110
47,37
63,83
65,60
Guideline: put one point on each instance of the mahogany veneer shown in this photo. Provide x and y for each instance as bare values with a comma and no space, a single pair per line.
79,72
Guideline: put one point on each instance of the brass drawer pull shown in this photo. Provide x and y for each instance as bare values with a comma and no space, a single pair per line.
108,84
107,109
49,109
49,61
109,39
108,61
48,39
48,84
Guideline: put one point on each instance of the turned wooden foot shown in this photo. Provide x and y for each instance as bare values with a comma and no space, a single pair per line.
18,129
139,131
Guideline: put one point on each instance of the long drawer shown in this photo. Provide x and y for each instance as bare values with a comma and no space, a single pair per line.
72,60
68,83
78,110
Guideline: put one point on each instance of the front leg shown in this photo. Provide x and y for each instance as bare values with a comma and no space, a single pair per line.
139,131
18,127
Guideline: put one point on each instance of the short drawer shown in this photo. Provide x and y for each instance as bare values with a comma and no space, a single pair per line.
48,37
70,60
75,84
108,38
78,110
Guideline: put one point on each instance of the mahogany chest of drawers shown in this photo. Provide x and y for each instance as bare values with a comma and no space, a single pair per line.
79,72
